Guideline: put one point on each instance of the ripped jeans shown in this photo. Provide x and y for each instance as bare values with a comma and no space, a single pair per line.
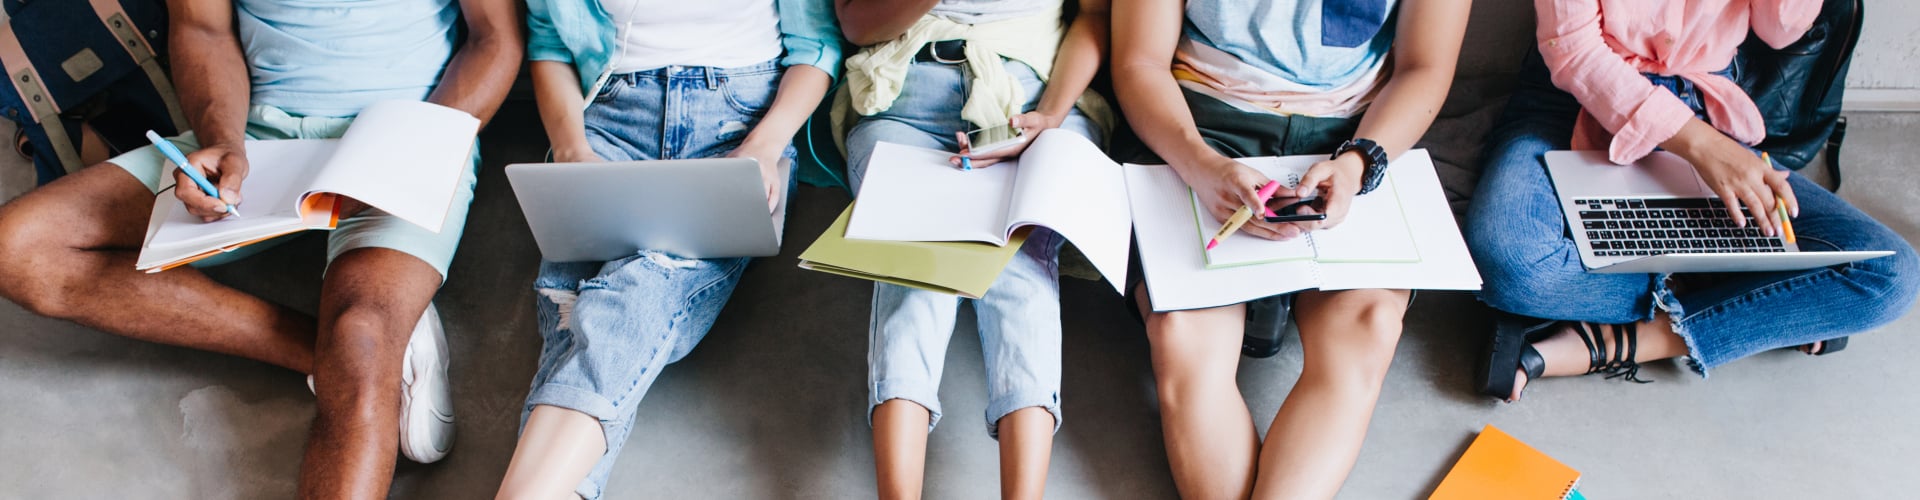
609,328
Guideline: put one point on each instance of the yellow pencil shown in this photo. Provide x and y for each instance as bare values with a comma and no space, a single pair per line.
1780,205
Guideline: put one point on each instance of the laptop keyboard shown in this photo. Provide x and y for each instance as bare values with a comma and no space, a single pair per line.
1627,227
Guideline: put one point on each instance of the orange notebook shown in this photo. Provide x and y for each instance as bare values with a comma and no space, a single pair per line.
1498,467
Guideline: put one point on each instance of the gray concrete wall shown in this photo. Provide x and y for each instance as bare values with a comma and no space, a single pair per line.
1886,66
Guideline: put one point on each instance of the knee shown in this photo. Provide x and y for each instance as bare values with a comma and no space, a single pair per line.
364,355
1361,354
27,274
1896,278
1190,354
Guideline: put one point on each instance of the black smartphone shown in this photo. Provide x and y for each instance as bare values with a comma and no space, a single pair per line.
1291,212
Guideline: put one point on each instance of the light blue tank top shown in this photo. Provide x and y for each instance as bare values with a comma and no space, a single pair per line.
334,57
1298,39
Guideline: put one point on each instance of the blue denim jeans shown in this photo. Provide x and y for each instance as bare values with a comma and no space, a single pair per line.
609,327
1019,317
1519,239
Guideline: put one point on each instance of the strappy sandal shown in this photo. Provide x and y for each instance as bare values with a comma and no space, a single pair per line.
1513,346
1823,347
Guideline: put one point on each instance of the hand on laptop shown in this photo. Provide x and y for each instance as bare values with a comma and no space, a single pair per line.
769,159
1734,173
225,166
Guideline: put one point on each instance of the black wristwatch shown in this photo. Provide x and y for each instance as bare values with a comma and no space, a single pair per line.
1372,155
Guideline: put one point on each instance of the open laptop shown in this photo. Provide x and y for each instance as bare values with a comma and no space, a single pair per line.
1658,216
701,209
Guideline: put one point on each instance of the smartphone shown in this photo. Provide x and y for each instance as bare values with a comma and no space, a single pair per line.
978,138
1291,212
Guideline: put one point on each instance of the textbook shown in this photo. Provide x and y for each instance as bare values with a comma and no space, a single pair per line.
963,268
1062,182
1498,467
1375,229
1423,250
402,157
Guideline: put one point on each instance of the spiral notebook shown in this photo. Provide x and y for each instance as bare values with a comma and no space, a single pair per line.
1498,467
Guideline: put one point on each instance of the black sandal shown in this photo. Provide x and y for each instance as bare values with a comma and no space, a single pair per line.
1513,346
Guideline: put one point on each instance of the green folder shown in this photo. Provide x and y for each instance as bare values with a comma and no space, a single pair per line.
962,268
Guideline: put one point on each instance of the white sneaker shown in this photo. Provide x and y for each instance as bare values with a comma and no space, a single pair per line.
426,401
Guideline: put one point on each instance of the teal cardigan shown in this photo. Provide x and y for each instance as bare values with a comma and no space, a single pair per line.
580,33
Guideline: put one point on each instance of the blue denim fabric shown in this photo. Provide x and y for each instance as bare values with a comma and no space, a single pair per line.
1019,317
1519,239
610,327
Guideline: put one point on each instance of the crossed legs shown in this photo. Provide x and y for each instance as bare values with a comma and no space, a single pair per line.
1348,338
71,247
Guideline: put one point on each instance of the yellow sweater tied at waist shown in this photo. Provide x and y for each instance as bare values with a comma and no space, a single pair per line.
876,74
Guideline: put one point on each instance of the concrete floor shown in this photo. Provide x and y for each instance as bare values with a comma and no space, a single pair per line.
771,405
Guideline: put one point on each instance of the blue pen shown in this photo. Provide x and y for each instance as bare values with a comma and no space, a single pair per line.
180,159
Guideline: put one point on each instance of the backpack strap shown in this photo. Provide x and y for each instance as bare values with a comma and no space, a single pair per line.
33,93
114,17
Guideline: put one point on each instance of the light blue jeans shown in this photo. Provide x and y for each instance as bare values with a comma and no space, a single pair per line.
1019,317
1518,237
610,327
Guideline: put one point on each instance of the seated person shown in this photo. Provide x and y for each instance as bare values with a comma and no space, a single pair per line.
1277,77
284,69
663,85
1625,77
929,70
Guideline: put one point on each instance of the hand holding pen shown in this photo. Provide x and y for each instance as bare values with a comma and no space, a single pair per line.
215,198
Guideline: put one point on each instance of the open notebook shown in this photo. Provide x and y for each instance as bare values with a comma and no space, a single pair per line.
1375,230
1498,467
1179,277
1062,182
963,268
402,157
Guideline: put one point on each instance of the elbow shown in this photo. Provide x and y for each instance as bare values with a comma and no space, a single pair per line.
863,37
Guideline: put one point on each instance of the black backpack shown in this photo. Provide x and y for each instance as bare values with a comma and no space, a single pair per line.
1798,88
91,62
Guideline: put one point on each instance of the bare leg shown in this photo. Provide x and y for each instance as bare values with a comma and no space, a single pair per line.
900,448
557,450
1348,338
1211,442
1026,448
1567,355
70,248
369,304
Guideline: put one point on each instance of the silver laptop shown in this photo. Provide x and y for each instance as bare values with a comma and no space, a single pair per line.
701,209
1658,216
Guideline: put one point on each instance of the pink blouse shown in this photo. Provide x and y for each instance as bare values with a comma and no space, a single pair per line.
1597,50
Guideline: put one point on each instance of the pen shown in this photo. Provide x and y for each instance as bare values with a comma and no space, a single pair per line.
1240,216
180,159
966,152
1780,205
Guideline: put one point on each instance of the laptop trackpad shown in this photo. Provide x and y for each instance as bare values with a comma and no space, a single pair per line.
1662,173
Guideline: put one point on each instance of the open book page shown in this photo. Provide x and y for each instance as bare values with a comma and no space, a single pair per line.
913,194
1241,248
280,172
403,157
1176,273
1375,230
1444,262
1068,185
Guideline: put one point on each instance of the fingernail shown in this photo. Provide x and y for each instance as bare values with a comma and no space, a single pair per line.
223,209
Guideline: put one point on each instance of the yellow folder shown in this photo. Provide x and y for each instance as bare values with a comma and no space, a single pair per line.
965,269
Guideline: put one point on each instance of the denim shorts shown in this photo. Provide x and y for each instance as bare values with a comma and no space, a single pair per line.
609,328
371,228
1019,317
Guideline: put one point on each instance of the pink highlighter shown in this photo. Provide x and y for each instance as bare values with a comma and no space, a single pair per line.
1240,216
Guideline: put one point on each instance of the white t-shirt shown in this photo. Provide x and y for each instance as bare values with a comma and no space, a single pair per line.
717,33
